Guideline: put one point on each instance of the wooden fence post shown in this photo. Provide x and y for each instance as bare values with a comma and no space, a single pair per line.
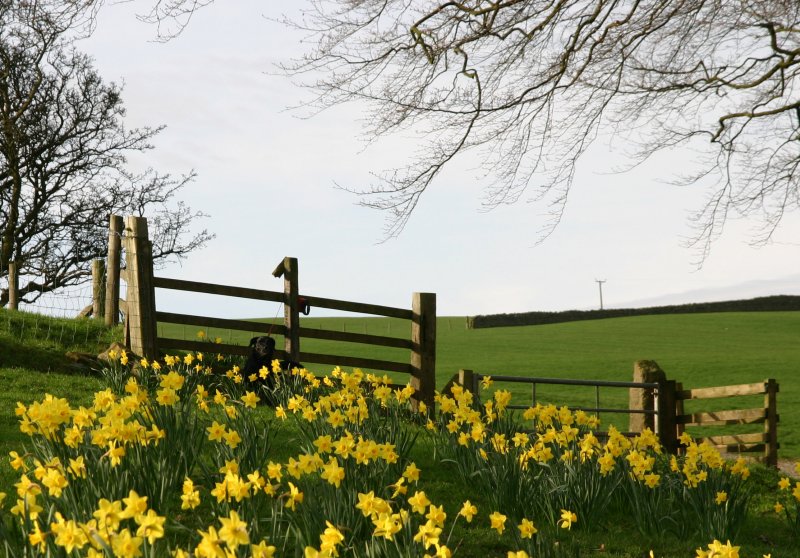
423,355
141,301
666,423
645,372
98,288
466,378
291,311
679,411
771,424
13,286
112,270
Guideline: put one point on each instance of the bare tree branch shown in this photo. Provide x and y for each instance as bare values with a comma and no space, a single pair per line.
550,76
63,148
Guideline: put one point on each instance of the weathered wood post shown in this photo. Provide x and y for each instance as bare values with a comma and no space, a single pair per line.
643,399
13,286
112,270
462,378
666,425
680,410
466,378
291,310
141,301
98,288
423,355
771,424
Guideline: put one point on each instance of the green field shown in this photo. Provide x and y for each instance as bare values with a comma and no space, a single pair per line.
699,350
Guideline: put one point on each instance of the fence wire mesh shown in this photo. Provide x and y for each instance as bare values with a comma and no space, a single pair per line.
60,317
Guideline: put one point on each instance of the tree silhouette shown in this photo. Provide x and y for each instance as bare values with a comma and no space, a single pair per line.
63,148
526,86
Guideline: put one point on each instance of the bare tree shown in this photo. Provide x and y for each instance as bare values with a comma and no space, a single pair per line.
63,149
172,16
526,86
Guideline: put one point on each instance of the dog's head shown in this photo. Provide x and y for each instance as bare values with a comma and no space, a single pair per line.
263,346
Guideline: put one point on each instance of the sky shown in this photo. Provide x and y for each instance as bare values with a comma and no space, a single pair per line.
267,177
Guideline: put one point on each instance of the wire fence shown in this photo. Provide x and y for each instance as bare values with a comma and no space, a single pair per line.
60,317
68,302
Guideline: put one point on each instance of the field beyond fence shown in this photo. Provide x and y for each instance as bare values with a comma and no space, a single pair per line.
778,303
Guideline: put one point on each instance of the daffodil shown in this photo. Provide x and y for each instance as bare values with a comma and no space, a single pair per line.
428,534
527,529
262,550
498,521
437,515
151,526
209,545
419,502
250,399
233,531
411,473
37,538
108,514
333,473
232,439
134,505
17,461
567,519
468,511
330,539
68,534
294,497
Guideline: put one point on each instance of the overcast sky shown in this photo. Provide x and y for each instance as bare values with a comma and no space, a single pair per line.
267,179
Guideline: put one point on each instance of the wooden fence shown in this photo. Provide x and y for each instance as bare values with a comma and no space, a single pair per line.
657,416
654,401
142,316
764,442
658,403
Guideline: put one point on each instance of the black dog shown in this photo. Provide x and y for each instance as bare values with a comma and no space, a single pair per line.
262,350
262,353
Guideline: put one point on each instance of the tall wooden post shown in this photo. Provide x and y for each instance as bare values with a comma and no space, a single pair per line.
643,399
141,293
291,311
98,288
666,425
680,410
13,286
112,270
423,355
771,424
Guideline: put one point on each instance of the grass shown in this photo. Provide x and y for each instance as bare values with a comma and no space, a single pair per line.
698,350
33,361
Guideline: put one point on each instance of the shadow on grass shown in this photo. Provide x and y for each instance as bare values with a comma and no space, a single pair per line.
41,358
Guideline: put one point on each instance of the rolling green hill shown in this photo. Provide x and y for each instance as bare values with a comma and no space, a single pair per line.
776,303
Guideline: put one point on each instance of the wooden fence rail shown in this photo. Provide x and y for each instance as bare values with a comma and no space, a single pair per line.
764,442
142,317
